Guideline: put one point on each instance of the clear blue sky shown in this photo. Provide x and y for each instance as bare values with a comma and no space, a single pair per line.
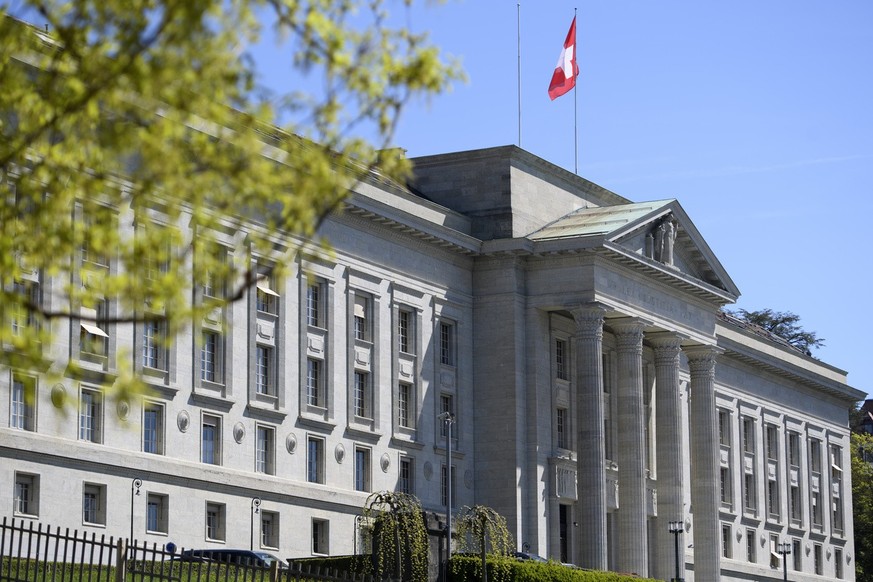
756,115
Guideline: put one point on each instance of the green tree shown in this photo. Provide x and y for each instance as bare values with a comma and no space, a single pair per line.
783,324
862,504
118,111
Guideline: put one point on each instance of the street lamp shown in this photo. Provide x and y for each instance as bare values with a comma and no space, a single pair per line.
256,504
783,549
448,418
134,491
676,528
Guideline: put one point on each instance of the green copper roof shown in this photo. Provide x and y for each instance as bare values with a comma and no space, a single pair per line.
599,220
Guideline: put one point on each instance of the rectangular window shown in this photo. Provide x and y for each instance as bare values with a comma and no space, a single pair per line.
209,360
447,344
22,315
91,416
215,522
562,364
447,406
726,542
404,405
362,318
93,338
561,427
815,455
156,513
314,392
838,563
404,331
320,537
794,449
362,469
266,299
795,504
836,488
405,482
816,559
315,460
750,497
748,435
154,352
270,529
26,499
210,442
363,395
444,482
773,499
798,556
724,428
725,485
153,428
94,504
23,403
264,377
751,546
816,509
772,442
265,450
314,309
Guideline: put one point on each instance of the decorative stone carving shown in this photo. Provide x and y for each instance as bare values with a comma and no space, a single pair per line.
59,395
291,443
239,432
428,471
122,408
385,462
183,420
340,453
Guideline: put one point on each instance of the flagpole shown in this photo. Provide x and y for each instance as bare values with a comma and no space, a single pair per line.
575,109
518,26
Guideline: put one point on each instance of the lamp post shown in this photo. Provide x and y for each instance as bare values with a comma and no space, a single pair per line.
448,418
676,528
134,491
783,549
256,504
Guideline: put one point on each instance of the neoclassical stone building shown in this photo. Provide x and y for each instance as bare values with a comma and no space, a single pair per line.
599,394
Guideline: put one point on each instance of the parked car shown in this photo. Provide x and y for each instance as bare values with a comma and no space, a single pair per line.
228,556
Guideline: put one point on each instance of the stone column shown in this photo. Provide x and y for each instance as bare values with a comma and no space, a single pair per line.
668,452
704,463
590,441
631,454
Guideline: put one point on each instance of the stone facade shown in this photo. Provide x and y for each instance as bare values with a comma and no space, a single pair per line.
576,336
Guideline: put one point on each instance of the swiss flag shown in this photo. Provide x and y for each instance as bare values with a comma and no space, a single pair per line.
564,77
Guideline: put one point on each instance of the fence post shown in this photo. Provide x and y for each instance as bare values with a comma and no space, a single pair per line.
274,571
121,560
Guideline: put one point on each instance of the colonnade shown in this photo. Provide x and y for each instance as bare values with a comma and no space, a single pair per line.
631,518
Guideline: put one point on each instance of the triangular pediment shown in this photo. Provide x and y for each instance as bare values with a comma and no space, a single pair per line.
657,233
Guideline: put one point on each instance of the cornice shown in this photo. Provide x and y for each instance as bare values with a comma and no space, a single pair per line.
782,367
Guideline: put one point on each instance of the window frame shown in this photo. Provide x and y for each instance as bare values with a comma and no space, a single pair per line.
214,421
315,451
265,449
448,343
215,532
161,519
265,370
93,515
22,402
315,392
93,431
363,469
30,483
156,445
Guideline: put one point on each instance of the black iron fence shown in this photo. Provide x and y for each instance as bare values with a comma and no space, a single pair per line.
33,552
